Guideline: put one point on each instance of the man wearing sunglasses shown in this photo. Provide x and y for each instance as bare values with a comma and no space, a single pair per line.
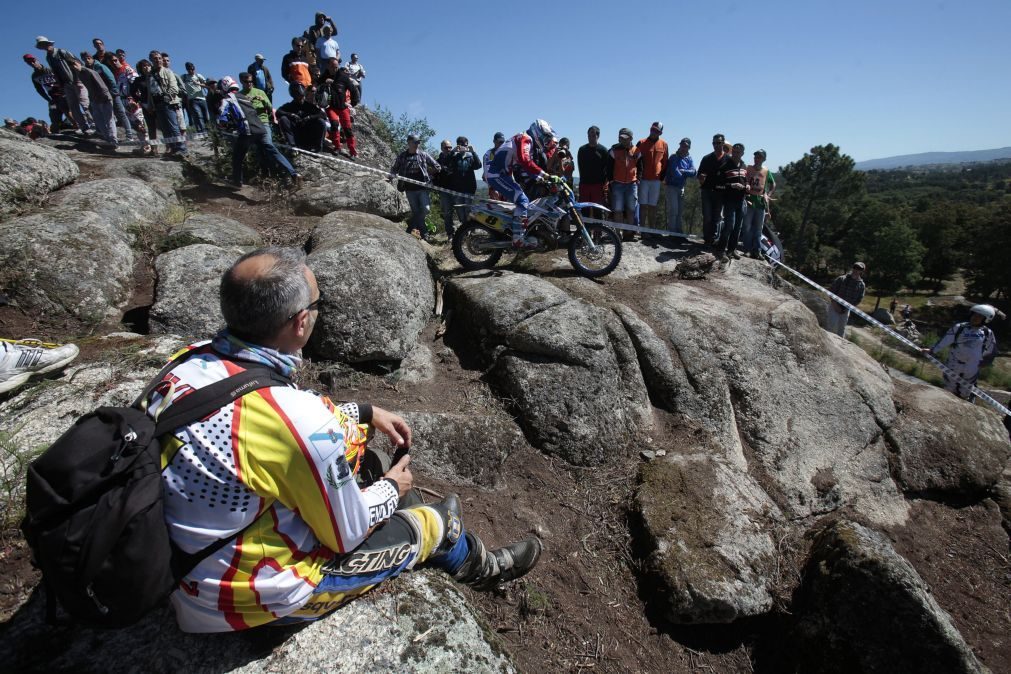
273,473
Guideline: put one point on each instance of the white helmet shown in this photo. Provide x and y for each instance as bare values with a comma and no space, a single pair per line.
541,132
227,84
984,310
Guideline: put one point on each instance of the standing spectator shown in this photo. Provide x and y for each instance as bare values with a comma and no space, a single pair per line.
326,46
462,163
294,67
973,345
261,76
340,88
59,61
417,165
851,288
732,185
118,109
893,305
140,91
239,113
443,180
761,185
680,168
101,55
561,163
48,87
496,141
136,116
194,85
593,164
101,102
214,98
184,103
311,35
302,122
624,171
709,167
654,166
163,90
907,312
356,70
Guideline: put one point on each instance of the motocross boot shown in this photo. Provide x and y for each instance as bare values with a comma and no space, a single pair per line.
485,570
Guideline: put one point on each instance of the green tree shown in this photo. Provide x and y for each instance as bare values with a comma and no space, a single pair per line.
819,189
937,229
394,130
894,256
987,270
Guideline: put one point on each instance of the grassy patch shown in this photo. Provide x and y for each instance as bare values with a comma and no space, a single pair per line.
904,362
14,459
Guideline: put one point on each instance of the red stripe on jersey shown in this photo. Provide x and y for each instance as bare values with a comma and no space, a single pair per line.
226,593
269,397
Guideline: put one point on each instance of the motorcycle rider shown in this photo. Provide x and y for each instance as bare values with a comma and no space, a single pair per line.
972,345
514,155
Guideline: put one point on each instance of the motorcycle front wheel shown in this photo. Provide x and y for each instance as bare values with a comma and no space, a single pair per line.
469,246
599,262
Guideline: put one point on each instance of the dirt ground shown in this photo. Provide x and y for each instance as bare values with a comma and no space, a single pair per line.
586,607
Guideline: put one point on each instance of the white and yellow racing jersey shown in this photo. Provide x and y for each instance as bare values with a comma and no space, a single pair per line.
273,472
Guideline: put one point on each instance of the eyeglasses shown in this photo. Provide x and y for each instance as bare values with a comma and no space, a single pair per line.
309,307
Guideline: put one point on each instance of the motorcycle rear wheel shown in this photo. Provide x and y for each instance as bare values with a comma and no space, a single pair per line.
467,246
600,263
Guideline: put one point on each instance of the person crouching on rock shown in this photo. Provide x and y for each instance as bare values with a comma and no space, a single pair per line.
973,345
302,122
238,114
274,474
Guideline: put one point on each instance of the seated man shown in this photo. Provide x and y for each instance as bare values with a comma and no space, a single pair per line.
302,122
273,474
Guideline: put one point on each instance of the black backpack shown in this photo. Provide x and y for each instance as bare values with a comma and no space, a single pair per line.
95,519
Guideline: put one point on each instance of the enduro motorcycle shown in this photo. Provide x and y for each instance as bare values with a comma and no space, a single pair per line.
553,221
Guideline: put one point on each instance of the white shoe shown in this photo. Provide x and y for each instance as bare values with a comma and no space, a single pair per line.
21,359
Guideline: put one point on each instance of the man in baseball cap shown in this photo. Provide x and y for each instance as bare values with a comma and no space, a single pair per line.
654,164
680,167
261,76
47,87
59,61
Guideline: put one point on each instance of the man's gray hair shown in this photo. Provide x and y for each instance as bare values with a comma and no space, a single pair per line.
255,309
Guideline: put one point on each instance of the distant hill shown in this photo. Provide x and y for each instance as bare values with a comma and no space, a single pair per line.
925,158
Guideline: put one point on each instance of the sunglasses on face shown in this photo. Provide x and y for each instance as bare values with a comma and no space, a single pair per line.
309,307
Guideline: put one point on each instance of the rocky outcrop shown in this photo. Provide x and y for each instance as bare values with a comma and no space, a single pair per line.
212,229
378,293
943,444
567,366
425,625
863,608
186,299
708,524
29,171
126,203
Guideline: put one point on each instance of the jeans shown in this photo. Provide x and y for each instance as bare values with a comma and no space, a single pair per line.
73,97
675,205
119,110
649,192
751,232
199,114
420,203
711,207
451,204
267,149
168,123
733,218
104,124
624,197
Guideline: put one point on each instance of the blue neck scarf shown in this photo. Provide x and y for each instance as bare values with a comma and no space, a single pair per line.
229,345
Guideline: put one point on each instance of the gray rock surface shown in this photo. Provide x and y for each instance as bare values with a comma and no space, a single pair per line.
423,625
127,203
66,262
863,608
568,367
378,292
882,315
213,229
186,295
783,398
708,524
944,444
465,448
29,171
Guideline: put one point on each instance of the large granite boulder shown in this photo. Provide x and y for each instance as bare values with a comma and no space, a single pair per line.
863,608
188,290
378,293
708,526
213,229
423,625
943,444
567,366
127,203
29,171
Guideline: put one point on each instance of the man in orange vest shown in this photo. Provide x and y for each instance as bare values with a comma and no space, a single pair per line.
625,167
654,165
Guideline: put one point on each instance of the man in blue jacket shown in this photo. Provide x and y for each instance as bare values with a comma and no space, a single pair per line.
680,167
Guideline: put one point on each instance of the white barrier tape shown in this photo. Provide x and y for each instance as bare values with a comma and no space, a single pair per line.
982,395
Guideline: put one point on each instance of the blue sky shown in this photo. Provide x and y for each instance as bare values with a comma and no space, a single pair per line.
877,78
